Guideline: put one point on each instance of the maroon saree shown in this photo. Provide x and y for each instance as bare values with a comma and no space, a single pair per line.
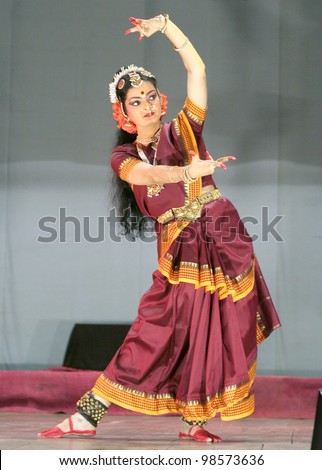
192,348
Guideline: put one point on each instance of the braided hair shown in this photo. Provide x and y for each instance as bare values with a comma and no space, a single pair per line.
132,221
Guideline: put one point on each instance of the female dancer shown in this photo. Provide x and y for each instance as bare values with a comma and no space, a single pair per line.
192,348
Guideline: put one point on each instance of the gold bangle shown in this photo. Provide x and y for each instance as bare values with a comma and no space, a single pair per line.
184,176
166,18
178,49
189,177
170,178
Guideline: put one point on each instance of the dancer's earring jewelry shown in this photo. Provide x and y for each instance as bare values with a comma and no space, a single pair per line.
128,122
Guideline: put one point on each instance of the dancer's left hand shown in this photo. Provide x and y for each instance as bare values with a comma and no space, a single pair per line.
146,28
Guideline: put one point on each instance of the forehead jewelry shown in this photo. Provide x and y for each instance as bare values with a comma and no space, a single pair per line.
119,82
135,79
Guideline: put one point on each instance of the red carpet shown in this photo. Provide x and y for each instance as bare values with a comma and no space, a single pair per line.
57,389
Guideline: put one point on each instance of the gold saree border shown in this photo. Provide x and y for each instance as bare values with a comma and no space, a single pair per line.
212,280
170,231
236,401
188,141
262,332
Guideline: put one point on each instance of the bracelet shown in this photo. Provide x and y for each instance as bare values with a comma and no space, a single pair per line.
170,178
185,176
178,49
165,19
188,176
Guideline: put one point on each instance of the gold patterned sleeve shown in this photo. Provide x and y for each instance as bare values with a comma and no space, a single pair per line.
194,112
123,164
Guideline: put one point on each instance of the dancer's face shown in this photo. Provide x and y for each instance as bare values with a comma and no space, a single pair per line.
143,105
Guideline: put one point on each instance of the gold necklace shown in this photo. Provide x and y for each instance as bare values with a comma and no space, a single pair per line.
150,140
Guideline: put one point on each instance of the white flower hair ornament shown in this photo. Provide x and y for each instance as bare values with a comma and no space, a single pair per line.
135,79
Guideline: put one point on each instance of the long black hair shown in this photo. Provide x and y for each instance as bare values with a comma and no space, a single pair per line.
132,221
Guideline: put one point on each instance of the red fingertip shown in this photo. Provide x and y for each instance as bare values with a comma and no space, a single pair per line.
223,166
134,20
140,38
128,31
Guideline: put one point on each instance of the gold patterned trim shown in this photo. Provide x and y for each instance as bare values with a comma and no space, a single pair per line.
194,111
189,143
261,331
186,159
169,233
126,166
212,280
234,402
241,410
171,230
261,334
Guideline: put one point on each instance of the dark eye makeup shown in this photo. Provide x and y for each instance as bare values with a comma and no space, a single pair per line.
136,102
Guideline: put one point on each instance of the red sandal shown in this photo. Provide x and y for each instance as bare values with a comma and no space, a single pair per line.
57,432
201,435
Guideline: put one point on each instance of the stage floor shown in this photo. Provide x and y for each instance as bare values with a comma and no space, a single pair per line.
18,431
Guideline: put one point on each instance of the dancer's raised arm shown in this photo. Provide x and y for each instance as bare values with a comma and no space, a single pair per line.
196,70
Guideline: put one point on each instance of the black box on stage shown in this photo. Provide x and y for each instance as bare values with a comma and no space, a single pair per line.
92,346
317,431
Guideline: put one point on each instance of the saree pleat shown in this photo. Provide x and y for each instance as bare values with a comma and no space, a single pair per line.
193,346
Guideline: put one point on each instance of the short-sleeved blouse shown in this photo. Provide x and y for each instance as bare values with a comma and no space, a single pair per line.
177,137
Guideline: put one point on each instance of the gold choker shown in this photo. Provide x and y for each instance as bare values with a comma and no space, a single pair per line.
150,140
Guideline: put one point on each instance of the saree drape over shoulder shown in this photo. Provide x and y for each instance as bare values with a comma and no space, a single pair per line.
192,348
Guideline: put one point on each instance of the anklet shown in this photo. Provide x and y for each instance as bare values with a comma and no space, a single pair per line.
91,409
200,422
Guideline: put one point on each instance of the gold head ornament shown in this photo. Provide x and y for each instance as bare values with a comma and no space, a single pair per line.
135,79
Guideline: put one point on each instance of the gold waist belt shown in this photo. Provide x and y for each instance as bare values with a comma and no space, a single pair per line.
191,210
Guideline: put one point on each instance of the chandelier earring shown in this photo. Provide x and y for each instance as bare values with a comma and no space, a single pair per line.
129,126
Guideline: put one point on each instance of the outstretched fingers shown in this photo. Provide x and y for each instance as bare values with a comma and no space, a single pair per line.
220,162
145,28
137,22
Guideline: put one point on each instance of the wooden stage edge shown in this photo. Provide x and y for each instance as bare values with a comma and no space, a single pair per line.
34,400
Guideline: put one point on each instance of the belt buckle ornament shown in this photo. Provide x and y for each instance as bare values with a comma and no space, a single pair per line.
189,212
